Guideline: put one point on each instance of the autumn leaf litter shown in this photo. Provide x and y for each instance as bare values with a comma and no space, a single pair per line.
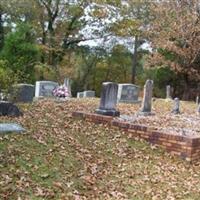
62,158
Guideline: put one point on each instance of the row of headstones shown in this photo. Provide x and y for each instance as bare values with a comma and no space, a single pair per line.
109,96
109,100
127,93
176,108
27,92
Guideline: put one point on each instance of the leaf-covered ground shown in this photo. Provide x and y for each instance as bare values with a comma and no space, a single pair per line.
62,158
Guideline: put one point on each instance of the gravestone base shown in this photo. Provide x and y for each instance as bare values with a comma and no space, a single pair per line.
43,98
62,99
145,113
113,112
131,102
176,112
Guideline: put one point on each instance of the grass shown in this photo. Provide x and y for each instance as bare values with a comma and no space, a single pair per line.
62,158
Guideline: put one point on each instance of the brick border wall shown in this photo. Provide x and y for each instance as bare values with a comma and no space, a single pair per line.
186,147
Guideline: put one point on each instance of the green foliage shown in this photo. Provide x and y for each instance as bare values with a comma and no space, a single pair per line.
44,72
21,52
94,66
168,55
126,27
161,77
7,76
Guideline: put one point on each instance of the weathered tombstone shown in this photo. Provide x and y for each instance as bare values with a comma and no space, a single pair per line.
45,88
108,99
176,106
9,109
11,127
22,93
168,92
147,98
197,100
79,94
128,93
198,109
68,85
89,93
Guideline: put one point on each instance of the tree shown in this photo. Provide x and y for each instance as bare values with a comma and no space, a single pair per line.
21,52
175,37
1,29
135,16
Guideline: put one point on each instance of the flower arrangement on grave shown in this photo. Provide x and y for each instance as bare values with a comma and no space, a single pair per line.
61,91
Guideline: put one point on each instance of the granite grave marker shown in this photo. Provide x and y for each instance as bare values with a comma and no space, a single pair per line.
147,98
176,106
128,93
108,99
22,93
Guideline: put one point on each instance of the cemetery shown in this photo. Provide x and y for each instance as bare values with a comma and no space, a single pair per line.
158,131
99,100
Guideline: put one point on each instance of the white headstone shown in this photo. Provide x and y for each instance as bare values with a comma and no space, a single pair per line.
128,93
168,92
79,94
89,93
68,85
197,100
45,88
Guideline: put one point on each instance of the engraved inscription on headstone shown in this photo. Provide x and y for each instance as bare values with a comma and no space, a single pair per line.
45,88
128,93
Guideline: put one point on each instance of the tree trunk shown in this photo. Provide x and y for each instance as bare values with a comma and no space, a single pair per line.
186,92
1,31
134,61
44,35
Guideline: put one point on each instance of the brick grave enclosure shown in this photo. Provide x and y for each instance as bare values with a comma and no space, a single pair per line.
186,147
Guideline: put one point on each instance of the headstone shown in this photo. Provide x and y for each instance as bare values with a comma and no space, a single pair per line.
79,94
22,93
9,109
45,88
11,127
197,100
168,92
176,106
147,98
198,109
89,93
68,85
128,93
108,99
